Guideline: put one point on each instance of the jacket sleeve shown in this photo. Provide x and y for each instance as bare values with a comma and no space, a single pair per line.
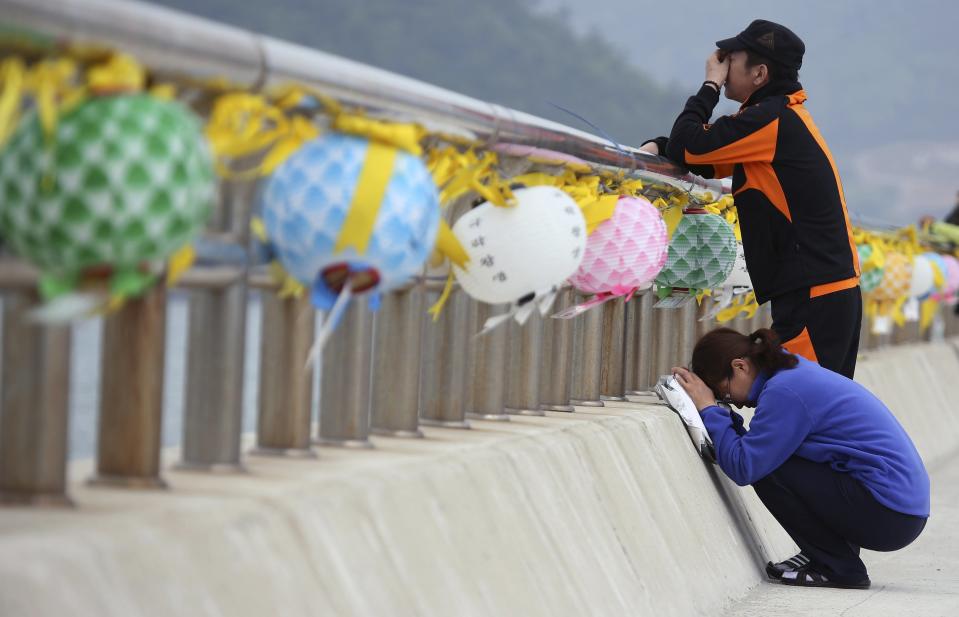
706,171
748,136
779,427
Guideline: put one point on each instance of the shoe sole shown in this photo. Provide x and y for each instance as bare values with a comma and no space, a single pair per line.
832,584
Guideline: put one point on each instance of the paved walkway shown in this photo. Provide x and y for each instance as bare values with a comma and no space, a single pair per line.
920,580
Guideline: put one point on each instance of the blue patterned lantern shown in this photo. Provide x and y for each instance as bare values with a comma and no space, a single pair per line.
348,209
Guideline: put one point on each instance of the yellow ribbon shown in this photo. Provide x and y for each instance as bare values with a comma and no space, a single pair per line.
437,307
179,263
726,209
897,315
457,173
599,211
632,187
246,124
49,80
538,178
166,92
449,246
750,305
367,197
121,73
746,304
877,256
11,87
938,278
672,215
927,313
405,137
729,313
289,286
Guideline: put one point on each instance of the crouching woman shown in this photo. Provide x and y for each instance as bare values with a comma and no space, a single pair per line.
825,456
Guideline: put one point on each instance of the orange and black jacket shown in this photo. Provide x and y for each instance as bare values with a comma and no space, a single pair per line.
789,197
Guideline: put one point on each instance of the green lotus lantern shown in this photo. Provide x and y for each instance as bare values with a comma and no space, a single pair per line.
702,253
119,185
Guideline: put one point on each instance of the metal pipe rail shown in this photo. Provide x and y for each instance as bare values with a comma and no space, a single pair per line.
182,47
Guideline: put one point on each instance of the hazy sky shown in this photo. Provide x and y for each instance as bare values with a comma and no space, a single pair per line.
882,80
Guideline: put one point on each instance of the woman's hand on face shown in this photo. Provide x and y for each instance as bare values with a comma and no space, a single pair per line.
695,387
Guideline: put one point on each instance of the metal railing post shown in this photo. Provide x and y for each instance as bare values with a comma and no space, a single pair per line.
555,377
284,419
907,333
397,337
523,359
639,328
587,358
488,400
213,406
131,394
443,371
685,326
613,364
216,352
866,341
34,412
952,321
345,381
664,342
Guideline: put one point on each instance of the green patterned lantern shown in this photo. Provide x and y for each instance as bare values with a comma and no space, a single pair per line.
871,263
119,185
702,252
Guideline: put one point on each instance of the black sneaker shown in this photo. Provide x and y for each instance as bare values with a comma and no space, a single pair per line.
775,570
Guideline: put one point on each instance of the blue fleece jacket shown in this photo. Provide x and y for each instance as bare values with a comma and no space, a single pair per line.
821,416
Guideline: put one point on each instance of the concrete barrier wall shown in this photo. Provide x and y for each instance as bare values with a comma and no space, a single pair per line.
920,383
604,512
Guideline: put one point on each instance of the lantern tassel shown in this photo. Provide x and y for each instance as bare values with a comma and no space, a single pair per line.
328,325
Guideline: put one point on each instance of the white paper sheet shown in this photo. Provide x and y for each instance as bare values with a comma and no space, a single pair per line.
676,398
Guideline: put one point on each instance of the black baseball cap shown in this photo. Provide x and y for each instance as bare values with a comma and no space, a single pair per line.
770,40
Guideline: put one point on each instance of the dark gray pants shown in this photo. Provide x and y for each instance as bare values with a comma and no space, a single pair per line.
830,515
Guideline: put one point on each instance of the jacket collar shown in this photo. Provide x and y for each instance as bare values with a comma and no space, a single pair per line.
777,88
757,387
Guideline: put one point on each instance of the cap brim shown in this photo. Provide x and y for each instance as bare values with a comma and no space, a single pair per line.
733,44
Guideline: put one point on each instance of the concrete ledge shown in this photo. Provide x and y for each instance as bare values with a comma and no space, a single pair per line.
602,512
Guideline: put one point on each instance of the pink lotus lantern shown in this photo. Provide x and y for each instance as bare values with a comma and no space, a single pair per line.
625,252
952,277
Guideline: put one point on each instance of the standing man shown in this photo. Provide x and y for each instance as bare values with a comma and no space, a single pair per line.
795,228
953,217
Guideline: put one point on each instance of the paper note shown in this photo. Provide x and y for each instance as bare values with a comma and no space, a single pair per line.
676,398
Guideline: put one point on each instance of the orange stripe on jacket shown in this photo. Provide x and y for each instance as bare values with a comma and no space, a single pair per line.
763,178
802,346
756,147
795,104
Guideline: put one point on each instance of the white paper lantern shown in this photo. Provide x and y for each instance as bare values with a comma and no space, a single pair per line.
528,248
922,277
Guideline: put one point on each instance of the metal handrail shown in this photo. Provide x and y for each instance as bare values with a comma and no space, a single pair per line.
178,46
